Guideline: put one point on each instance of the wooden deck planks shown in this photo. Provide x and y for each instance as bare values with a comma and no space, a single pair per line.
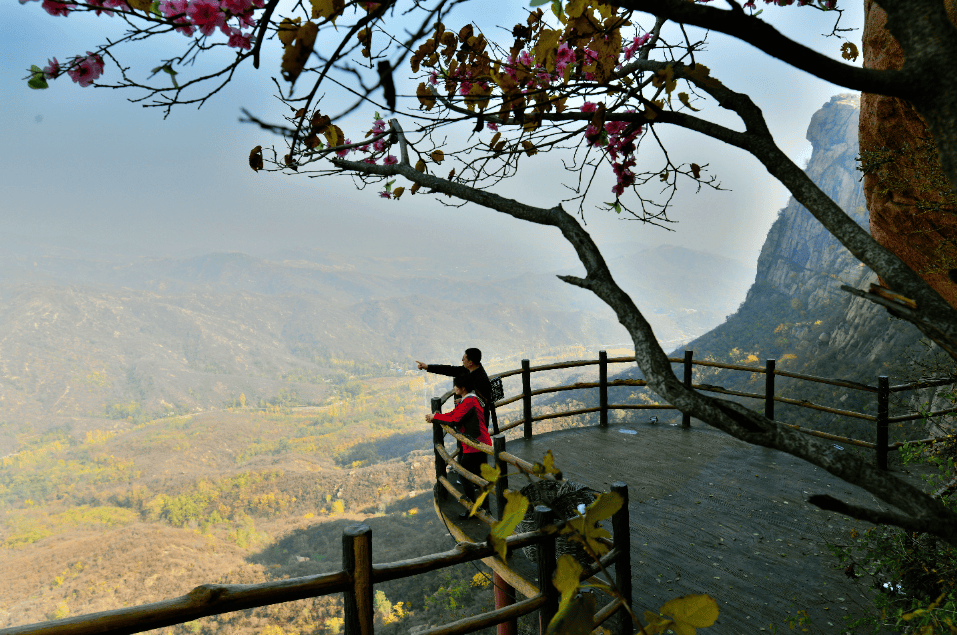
711,514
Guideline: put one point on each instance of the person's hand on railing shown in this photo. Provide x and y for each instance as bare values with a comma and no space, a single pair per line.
428,418
421,365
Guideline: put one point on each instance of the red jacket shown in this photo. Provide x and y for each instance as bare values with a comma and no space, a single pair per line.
469,418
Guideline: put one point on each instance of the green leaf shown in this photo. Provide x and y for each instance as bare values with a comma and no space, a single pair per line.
154,9
515,507
38,81
617,207
172,74
538,3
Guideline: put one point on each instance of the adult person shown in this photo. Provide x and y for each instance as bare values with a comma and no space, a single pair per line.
469,417
471,366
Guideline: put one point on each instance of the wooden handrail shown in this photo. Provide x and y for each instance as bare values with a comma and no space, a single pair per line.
527,467
828,435
921,415
924,383
929,441
846,383
607,611
480,513
461,553
471,624
464,473
567,413
804,403
487,449
203,601
641,406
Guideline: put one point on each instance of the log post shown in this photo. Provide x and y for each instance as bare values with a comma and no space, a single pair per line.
527,396
504,596
544,516
883,398
498,445
438,438
603,388
357,562
686,418
621,533
769,389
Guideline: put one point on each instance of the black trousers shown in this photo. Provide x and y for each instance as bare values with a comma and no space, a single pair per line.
472,461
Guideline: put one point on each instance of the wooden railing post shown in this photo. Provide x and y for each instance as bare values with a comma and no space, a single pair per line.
544,516
357,562
603,388
504,596
498,445
769,389
686,418
527,396
438,438
883,399
622,536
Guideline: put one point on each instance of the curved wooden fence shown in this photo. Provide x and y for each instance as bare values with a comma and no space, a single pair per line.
882,391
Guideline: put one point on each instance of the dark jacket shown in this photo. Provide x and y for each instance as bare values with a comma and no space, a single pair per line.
480,381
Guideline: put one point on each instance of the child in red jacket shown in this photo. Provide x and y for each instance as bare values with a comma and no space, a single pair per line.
469,418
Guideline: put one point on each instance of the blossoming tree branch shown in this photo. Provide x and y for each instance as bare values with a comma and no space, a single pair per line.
602,83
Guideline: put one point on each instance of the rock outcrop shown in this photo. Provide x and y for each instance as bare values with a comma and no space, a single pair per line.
902,195
796,313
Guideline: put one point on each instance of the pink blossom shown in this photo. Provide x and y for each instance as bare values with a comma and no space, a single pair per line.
526,58
99,3
246,19
510,68
86,69
369,160
434,78
379,145
465,88
237,7
205,15
240,40
492,126
378,126
390,160
116,4
55,7
385,195
364,148
173,8
344,151
589,107
636,44
615,127
52,69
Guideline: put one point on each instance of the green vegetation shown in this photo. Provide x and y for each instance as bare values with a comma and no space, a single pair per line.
915,574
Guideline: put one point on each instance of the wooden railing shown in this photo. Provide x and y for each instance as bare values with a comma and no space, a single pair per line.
882,391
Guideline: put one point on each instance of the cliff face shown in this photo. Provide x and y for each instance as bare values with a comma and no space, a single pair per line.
796,313
903,195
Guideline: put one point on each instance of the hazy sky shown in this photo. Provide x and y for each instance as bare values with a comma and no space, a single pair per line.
85,167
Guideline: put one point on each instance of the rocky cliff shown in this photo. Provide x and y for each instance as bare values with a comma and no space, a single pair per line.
796,313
